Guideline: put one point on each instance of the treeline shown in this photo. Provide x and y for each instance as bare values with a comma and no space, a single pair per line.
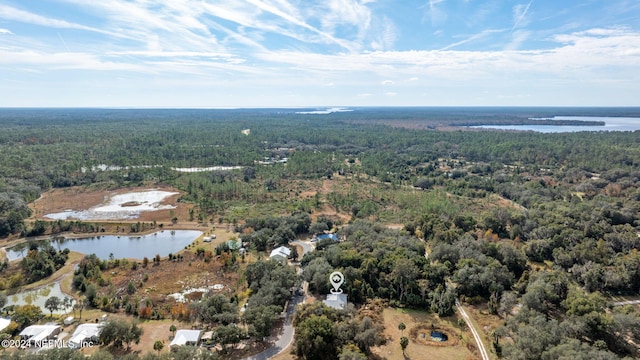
326,333
271,285
271,232
40,261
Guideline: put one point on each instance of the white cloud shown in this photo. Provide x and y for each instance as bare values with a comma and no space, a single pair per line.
577,54
297,46
391,93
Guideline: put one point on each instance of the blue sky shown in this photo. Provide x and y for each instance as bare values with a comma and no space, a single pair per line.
298,53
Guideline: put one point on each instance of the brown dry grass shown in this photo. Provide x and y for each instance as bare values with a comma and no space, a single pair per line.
414,320
82,198
169,277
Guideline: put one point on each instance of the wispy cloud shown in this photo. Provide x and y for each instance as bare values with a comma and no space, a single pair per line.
434,12
575,53
13,14
519,14
481,35
329,46
518,37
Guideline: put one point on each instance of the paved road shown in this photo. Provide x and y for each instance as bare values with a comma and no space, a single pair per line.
307,246
286,336
628,302
467,319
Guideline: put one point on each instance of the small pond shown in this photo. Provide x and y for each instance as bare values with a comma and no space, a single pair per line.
439,336
160,243
38,297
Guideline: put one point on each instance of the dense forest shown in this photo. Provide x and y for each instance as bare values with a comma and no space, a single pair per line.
541,228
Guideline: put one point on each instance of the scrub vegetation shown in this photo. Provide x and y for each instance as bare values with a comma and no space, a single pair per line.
537,233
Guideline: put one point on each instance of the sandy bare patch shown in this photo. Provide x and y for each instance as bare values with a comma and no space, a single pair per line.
121,206
144,204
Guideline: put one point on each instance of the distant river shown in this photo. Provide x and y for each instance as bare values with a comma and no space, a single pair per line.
124,246
611,124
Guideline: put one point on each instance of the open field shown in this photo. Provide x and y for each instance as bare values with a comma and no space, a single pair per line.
459,346
79,199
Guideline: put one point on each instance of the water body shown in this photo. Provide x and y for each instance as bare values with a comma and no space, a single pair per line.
124,246
611,124
39,296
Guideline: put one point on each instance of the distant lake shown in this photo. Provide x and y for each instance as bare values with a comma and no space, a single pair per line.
124,246
611,124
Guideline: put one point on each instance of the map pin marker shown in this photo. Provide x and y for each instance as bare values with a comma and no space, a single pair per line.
337,279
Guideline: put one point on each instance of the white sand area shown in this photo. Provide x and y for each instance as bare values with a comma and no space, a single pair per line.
121,206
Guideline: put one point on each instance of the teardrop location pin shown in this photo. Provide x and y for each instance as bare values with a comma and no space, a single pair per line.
337,279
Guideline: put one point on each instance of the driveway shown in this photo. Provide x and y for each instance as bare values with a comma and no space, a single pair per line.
286,336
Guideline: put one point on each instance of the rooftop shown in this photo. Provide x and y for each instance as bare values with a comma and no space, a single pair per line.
4,323
84,332
282,251
40,332
183,337
336,301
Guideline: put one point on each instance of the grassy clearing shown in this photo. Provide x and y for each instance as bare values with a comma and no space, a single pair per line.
456,348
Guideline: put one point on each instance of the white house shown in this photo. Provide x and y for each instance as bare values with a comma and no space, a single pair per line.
84,335
38,333
186,337
281,253
336,301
